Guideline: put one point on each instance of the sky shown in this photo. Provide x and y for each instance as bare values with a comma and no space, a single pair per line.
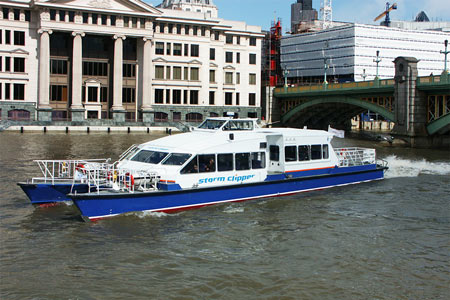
264,12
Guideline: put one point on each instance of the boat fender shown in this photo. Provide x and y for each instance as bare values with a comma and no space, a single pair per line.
128,180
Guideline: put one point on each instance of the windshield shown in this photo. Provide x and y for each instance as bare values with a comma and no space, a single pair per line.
149,157
176,159
211,124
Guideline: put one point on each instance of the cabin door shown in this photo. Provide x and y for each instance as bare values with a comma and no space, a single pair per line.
275,148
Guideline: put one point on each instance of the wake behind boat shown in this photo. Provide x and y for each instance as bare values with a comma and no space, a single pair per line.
223,160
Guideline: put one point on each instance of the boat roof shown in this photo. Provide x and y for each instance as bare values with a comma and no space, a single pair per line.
201,140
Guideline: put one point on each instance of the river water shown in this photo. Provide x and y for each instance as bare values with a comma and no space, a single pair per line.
381,240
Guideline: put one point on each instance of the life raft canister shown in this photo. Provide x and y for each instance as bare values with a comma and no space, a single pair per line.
128,180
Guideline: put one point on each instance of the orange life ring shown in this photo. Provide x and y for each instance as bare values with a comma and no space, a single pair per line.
80,168
128,180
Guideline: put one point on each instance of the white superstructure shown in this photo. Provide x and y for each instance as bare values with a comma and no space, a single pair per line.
351,50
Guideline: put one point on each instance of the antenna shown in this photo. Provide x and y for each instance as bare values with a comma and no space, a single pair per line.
327,14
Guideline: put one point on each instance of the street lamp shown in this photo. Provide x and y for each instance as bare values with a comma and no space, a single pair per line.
285,74
445,53
377,61
325,68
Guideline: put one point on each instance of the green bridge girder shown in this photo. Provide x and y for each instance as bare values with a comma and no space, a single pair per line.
341,100
441,125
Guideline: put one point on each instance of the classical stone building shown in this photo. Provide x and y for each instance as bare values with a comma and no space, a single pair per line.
125,61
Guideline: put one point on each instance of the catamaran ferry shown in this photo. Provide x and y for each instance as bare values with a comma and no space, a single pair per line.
223,160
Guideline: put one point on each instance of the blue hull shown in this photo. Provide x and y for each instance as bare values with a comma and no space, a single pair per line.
98,206
43,193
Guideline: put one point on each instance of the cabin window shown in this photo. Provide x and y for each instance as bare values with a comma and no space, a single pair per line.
176,159
211,124
303,153
325,154
207,163
149,157
225,162
274,153
290,153
238,125
191,167
242,161
263,145
316,152
258,160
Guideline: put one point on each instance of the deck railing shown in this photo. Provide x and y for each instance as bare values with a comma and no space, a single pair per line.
355,156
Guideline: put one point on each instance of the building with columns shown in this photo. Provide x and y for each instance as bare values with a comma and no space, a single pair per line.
124,61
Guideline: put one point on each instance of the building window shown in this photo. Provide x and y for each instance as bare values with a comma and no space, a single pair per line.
252,79
186,29
159,72
7,91
177,73
229,39
176,116
193,97
186,49
168,48
252,41
212,54
19,64
159,48
113,20
185,97
168,72
195,30
128,95
252,59
19,38
186,73
7,37
177,49
194,117
228,57
161,27
91,68
212,76
85,18
92,94
59,115
238,40
194,50
129,70
170,28
159,96
52,14
228,77
178,28
238,98
161,117
252,99
194,74
5,11
19,91
167,96
211,98
216,36
176,96
58,66
7,64
103,94
228,98
58,93
238,57
104,18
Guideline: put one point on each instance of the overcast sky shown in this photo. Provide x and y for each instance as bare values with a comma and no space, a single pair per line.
263,12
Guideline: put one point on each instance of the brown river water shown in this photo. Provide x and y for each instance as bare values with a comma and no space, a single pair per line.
388,239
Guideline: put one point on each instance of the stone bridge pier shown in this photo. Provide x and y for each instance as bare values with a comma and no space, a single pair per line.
411,107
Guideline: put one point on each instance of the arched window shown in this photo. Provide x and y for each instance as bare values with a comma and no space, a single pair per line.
19,115
194,117
161,117
213,114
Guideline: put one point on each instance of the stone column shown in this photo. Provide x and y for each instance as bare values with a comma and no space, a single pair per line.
77,108
117,108
44,109
147,112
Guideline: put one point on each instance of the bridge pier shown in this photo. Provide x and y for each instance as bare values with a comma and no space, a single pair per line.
410,105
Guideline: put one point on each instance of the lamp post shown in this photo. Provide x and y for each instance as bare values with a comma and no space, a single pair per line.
285,74
377,61
325,68
445,52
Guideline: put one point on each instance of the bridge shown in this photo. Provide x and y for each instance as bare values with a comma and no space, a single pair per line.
419,106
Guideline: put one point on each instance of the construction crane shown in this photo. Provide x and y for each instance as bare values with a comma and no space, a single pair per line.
387,20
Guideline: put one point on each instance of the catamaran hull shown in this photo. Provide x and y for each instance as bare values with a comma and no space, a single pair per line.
45,193
95,206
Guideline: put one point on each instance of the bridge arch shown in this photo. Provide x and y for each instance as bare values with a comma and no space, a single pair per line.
341,100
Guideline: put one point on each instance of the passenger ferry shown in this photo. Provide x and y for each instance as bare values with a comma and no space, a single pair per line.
223,160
